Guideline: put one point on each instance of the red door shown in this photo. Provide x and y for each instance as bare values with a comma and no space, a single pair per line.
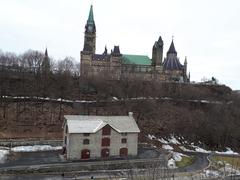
85,154
123,152
105,153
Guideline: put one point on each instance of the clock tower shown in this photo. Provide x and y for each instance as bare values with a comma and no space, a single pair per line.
90,34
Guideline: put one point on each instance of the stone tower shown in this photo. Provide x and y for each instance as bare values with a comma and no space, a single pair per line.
89,47
90,34
157,54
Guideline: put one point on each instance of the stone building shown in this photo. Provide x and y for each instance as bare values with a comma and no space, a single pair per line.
90,137
115,66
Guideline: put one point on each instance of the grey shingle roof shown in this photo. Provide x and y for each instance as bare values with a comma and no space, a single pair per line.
92,124
172,49
172,64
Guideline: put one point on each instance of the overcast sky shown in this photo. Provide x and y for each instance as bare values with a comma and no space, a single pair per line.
206,31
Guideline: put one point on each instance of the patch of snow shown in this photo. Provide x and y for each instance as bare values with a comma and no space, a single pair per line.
167,147
173,140
175,157
211,173
115,98
35,148
171,164
185,149
228,152
201,150
229,170
162,140
3,155
151,137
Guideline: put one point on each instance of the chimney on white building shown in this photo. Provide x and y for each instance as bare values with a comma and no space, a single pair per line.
130,114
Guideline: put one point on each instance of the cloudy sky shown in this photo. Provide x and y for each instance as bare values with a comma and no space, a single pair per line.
206,31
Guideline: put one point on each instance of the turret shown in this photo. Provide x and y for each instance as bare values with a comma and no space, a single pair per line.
46,63
172,51
157,53
90,34
185,66
116,51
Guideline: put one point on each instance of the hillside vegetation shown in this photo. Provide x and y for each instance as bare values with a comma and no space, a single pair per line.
198,112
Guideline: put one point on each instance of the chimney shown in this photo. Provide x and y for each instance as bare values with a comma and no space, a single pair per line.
130,114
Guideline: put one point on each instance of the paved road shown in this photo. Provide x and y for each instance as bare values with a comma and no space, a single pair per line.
201,162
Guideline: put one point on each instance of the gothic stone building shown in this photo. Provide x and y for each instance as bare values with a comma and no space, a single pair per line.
115,66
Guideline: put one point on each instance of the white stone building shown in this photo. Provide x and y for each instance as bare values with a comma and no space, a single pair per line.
92,137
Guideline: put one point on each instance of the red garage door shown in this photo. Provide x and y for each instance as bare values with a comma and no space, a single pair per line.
123,152
105,153
85,154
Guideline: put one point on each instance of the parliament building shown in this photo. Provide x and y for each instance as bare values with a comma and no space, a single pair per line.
114,65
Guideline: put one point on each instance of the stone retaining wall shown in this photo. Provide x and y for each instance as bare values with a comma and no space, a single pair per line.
29,142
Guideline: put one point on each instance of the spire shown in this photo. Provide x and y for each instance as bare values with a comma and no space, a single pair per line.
90,20
46,53
172,49
105,51
160,41
185,61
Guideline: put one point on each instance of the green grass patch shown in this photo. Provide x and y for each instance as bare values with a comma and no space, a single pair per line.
186,161
234,161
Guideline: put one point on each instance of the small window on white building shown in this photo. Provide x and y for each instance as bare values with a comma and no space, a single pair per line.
124,134
86,134
124,140
86,141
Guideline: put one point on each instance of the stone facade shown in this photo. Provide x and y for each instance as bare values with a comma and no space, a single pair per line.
105,142
116,66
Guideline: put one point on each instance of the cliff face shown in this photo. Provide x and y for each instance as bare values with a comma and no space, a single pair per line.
209,114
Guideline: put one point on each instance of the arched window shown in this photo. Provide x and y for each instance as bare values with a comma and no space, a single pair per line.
85,154
105,153
86,141
106,130
123,152
105,142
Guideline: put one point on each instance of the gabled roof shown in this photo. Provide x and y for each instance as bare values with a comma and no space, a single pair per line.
92,124
136,59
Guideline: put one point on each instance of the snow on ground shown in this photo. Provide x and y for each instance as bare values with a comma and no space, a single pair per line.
171,163
175,157
227,170
211,173
197,149
228,152
3,155
201,150
161,140
151,137
35,148
185,149
173,140
167,147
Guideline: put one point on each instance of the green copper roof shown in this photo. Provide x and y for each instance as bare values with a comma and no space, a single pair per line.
90,16
136,59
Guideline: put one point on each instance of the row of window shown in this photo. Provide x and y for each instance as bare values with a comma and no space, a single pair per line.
85,153
106,131
105,141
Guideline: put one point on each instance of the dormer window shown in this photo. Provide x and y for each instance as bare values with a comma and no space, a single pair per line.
106,130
